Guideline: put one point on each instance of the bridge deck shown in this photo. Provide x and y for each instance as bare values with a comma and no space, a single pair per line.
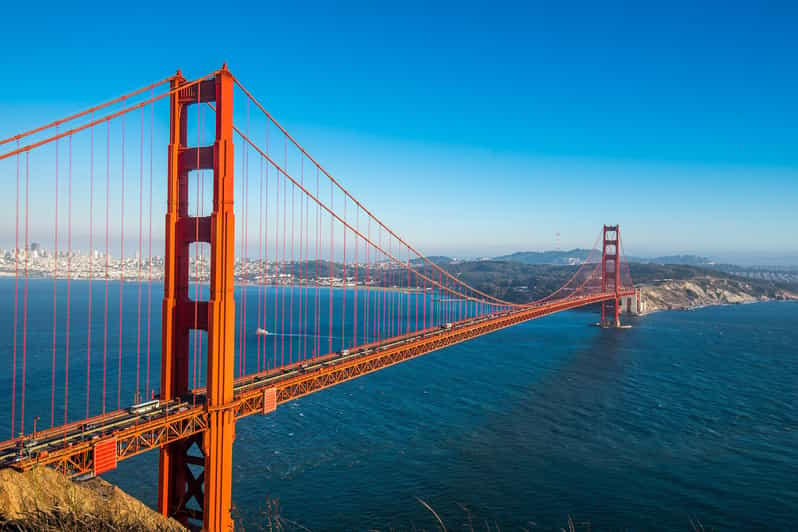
70,448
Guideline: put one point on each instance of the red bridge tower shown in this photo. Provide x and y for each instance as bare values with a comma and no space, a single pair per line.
194,479
610,276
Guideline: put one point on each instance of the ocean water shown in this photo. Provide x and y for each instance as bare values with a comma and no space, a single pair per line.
686,416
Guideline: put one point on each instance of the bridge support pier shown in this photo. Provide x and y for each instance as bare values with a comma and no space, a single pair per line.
610,276
195,484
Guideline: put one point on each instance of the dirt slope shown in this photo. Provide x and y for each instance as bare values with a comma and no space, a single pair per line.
44,499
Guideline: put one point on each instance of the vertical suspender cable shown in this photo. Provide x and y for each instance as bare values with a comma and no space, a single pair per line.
424,301
141,250
388,292
416,289
405,295
121,269
266,260
69,282
107,252
266,252
91,266
16,307
379,314
55,289
368,324
25,295
391,293
332,274
241,295
317,298
357,267
149,268
378,294
291,320
244,258
300,328
277,266
397,294
283,269
307,256
260,258
343,287
404,304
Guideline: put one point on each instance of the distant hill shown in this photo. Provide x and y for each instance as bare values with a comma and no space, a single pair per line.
435,259
577,256
561,258
687,260
520,283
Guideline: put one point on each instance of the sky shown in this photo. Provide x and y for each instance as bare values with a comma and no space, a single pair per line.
479,129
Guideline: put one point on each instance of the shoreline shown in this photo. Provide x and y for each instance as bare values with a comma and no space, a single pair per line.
696,293
712,305
652,295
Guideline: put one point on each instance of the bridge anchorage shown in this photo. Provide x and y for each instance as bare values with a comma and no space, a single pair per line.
335,293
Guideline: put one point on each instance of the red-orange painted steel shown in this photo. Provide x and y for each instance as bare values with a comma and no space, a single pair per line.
91,124
611,273
177,483
269,400
174,334
104,456
85,112
218,439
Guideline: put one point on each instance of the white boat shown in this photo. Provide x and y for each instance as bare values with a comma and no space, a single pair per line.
262,332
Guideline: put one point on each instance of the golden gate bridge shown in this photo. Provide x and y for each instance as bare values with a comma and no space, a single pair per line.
337,294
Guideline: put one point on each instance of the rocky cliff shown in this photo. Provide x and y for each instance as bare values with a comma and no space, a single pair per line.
704,291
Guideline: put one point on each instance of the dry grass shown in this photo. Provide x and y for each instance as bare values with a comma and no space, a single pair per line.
271,520
42,499
61,520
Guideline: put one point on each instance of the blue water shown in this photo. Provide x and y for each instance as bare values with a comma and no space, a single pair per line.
113,340
688,415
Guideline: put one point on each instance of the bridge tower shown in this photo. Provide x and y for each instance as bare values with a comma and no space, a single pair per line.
610,276
194,478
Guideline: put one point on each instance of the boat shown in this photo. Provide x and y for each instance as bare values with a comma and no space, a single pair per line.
262,332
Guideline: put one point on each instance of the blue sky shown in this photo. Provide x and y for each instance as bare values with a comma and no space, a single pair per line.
479,129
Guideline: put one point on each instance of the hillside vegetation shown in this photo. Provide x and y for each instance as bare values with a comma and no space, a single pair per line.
521,283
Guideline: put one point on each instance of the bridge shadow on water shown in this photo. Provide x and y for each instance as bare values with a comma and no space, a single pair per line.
536,453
